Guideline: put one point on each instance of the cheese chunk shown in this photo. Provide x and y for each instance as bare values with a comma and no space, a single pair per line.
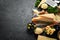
43,1
57,18
44,6
44,38
38,30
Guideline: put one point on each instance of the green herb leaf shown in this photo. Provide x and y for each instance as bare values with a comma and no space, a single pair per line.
52,10
37,3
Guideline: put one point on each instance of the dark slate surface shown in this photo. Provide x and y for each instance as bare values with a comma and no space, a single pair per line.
14,15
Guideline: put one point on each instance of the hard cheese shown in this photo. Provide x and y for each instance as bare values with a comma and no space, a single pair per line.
44,38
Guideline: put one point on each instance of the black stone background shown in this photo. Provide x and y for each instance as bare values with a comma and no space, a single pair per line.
14,15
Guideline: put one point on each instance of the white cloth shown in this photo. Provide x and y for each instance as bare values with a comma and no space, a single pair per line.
51,3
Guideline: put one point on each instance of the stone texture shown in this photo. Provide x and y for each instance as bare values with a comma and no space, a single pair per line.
14,16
